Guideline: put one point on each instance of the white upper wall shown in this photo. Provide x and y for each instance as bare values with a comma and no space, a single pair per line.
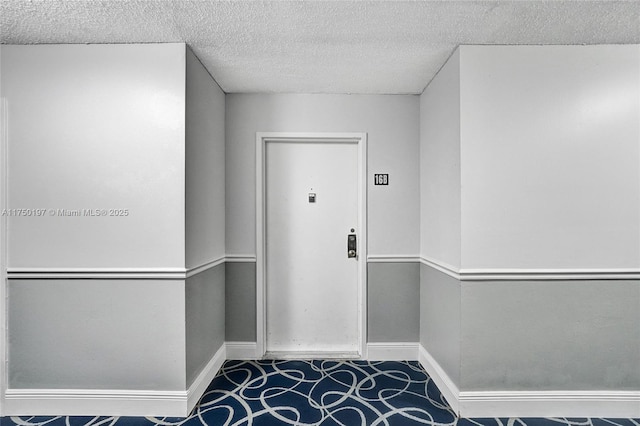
392,124
440,166
550,157
96,127
205,168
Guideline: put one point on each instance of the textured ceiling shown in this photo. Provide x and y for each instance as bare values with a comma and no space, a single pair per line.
321,46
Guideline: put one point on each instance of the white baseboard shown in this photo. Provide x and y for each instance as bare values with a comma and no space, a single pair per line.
98,402
392,351
606,403
611,404
442,380
201,383
241,350
93,402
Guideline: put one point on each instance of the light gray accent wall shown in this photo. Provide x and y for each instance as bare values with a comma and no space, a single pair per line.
96,127
205,168
240,297
393,307
96,334
205,318
440,190
550,154
440,319
392,126
551,335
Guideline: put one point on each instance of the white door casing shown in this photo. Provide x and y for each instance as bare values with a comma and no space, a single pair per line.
324,313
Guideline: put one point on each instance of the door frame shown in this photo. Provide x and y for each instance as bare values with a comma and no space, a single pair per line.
262,138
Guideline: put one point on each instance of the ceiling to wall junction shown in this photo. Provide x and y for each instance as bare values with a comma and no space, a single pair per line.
321,46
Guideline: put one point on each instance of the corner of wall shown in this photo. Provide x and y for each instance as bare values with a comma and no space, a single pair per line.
205,228
146,251
493,382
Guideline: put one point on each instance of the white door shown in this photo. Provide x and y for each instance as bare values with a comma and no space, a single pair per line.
312,303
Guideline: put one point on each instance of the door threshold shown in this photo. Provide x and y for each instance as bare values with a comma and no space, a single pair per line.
311,355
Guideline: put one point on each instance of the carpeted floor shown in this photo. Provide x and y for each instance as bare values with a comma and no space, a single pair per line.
324,393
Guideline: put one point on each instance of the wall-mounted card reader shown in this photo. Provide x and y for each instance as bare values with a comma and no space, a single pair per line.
352,246
312,197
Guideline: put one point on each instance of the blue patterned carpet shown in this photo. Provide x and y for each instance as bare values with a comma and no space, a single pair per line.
318,393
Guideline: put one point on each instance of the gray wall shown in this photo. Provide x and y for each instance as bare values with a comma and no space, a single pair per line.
113,127
204,166
440,316
204,215
545,177
240,301
440,194
392,125
96,334
96,127
205,318
550,335
532,335
393,302
550,142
